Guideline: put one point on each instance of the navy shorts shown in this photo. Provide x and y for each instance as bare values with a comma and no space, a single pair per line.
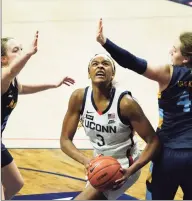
173,168
6,158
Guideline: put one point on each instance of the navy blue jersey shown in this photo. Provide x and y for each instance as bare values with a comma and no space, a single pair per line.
175,110
8,103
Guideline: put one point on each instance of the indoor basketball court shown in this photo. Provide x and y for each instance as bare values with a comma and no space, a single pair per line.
67,41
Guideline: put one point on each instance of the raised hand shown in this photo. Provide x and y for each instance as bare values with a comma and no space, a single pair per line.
33,48
99,36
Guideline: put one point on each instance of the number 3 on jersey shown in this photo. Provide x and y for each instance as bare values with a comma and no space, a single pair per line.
185,101
101,140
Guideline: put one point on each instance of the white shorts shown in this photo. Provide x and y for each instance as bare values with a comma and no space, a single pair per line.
113,195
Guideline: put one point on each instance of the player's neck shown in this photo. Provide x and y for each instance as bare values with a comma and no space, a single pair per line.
102,93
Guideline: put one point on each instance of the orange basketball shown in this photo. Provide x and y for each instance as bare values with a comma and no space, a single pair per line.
103,172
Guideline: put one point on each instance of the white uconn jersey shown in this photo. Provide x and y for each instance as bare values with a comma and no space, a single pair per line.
108,135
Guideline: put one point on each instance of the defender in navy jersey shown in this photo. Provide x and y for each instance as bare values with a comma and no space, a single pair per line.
12,61
8,103
175,110
109,116
173,166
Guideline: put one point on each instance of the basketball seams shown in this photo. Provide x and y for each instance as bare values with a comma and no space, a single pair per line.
116,163
108,181
103,172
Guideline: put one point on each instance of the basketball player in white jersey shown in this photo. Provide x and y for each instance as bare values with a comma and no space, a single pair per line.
109,116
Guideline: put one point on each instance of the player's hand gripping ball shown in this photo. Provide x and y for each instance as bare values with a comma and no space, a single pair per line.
103,172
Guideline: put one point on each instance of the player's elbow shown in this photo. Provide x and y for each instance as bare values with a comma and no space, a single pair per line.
153,138
63,142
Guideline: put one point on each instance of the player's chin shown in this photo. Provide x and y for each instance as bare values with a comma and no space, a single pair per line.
173,61
176,63
100,80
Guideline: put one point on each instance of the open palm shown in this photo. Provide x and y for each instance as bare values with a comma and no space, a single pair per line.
99,36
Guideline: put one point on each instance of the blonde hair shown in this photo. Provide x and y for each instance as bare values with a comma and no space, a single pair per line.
4,45
186,45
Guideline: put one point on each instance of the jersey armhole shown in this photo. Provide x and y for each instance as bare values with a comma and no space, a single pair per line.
118,108
84,100
172,80
15,82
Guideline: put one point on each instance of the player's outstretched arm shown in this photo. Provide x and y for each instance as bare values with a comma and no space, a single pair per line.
159,73
30,89
69,127
14,68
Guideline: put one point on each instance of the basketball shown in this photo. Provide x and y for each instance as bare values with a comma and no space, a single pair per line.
103,172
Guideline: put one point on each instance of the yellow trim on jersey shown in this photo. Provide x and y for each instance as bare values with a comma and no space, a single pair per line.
160,122
12,104
159,95
149,177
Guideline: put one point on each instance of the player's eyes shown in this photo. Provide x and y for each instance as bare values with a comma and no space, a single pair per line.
106,64
94,64
16,49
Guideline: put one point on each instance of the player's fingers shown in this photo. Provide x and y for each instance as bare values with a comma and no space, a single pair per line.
70,81
99,24
120,180
122,170
66,83
101,30
36,38
117,186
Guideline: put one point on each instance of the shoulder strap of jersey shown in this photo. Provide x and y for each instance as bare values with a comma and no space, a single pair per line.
178,74
15,82
84,100
118,105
